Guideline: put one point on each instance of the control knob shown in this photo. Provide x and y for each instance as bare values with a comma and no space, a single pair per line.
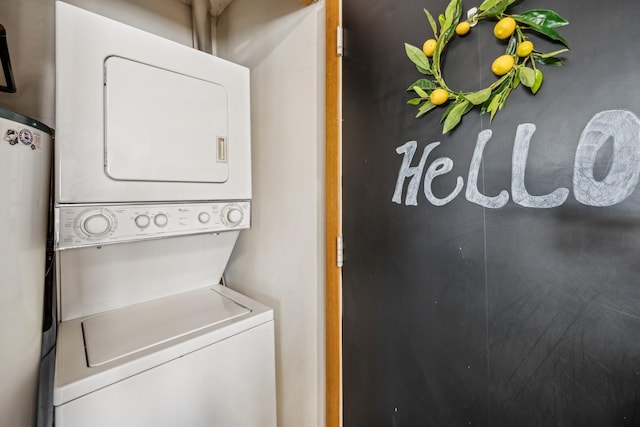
232,215
160,220
142,221
204,217
96,225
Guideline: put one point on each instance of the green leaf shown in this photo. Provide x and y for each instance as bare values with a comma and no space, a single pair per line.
425,108
421,93
537,82
550,54
494,7
496,93
513,45
527,76
418,57
441,19
493,107
424,71
422,84
451,14
448,110
488,4
499,97
554,62
503,97
453,118
477,98
432,22
450,11
545,18
446,33
545,31
414,101
516,81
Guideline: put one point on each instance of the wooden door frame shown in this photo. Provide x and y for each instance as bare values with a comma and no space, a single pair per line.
333,181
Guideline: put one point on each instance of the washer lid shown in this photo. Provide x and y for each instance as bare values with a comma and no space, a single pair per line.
116,334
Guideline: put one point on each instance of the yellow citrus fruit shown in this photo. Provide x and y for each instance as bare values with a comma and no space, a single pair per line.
524,49
502,65
429,47
439,96
463,28
504,28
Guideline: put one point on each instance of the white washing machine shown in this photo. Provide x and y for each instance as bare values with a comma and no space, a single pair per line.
152,185
197,358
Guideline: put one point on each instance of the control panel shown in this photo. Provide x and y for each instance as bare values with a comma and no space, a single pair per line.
94,225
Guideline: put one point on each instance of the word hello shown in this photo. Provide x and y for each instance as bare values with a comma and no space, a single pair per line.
622,126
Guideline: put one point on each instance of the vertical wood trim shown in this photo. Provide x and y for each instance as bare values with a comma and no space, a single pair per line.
333,217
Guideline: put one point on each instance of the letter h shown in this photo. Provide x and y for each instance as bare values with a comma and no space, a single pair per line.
407,171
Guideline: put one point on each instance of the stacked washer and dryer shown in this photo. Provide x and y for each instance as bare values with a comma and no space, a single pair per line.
152,187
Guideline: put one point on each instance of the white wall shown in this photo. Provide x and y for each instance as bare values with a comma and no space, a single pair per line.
30,33
280,261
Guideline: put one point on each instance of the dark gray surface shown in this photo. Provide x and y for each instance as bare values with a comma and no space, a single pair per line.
461,315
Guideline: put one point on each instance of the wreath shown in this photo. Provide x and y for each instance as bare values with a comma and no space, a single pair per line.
517,65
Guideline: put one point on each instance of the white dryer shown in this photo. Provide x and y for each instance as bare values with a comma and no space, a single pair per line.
144,119
152,185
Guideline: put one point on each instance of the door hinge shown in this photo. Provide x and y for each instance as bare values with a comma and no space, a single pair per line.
339,252
339,41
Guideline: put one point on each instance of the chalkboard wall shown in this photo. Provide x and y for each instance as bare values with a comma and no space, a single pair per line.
461,314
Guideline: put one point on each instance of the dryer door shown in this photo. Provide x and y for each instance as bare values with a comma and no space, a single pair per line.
163,126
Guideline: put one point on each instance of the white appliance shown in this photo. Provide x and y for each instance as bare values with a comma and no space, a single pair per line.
153,185
144,119
25,165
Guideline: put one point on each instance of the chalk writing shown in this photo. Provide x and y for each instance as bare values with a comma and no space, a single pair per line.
440,166
519,162
624,128
473,194
620,126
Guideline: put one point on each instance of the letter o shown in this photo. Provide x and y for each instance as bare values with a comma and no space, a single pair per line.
624,127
